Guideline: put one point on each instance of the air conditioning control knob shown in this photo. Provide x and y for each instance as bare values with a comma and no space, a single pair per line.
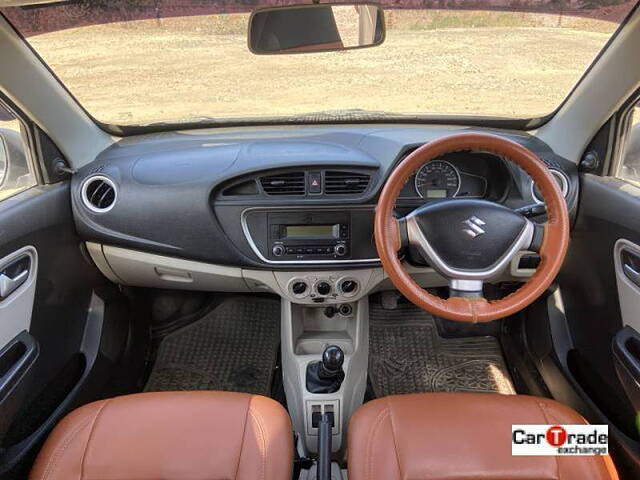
278,250
348,286
340,250
298,288
323,288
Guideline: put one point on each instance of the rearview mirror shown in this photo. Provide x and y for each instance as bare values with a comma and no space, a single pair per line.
315,28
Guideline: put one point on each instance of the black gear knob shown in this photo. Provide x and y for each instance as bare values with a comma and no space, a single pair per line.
327,375
333,358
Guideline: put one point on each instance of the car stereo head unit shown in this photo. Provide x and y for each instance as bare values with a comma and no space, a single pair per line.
300,236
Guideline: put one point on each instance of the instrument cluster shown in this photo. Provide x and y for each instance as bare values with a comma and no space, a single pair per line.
460,175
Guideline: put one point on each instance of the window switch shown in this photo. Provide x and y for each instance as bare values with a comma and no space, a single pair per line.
330,414
315,419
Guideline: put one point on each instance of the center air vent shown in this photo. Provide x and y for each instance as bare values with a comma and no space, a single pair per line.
284,184
99,193
336,183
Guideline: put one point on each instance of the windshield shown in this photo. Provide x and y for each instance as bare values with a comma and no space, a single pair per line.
133,62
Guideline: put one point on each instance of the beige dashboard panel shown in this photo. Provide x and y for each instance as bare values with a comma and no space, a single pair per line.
140,269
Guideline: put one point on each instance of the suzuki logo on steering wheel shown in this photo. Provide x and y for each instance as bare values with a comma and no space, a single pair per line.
473,225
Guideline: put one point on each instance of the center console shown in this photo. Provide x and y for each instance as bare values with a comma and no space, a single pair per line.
306,332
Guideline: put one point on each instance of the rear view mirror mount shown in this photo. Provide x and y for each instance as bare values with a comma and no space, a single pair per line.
315,28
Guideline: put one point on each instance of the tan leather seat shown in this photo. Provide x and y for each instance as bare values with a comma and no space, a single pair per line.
454,436
171,436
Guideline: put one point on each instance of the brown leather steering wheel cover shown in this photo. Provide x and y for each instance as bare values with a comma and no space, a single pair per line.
552,252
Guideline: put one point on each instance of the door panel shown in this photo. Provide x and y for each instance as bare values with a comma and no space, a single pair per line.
65,330
608,219
76,321
608,211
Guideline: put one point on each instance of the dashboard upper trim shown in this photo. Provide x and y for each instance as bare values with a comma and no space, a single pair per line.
254,247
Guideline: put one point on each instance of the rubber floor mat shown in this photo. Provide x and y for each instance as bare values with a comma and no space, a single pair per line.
234,347
407,355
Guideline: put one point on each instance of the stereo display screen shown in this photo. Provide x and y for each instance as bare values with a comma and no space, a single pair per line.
312,231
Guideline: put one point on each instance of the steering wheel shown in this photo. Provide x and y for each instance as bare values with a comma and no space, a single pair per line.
470,241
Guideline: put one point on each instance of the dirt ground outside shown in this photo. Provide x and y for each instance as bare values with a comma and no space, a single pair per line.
509,64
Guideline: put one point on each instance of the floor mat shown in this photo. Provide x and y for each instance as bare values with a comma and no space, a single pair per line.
234,347
408,356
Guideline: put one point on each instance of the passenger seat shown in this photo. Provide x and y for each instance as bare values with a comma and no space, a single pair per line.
171,436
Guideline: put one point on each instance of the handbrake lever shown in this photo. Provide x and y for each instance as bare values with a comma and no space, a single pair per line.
324,448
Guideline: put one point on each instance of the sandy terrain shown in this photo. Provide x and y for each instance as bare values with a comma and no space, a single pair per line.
503,64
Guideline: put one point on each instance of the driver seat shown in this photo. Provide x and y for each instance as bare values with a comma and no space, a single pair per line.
459,436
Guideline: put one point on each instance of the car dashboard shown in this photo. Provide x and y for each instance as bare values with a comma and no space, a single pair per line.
279,199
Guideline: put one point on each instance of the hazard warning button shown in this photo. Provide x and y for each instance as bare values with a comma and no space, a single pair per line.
315,182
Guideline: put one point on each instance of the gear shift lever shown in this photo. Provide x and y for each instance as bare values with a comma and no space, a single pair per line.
332,359
327,375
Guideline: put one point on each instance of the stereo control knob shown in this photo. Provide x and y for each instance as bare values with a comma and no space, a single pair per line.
340,250
348,286
278,250
323,288
298,288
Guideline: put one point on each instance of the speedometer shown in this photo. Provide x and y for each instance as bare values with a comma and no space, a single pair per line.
437,179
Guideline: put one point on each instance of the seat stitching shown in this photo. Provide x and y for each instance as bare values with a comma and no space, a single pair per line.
244,434
93,426
59,452
542,408
256,418
393,436
381,416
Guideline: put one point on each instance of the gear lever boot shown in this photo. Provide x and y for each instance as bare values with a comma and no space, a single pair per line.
327,375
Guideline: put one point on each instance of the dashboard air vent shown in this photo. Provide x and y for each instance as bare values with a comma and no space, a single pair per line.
99,193
284,184
245,188
336,183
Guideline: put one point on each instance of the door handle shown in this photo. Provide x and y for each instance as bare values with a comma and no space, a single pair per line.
13,276
631,266
632,274
8,285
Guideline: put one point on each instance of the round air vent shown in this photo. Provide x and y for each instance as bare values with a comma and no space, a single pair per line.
99,193
560,178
